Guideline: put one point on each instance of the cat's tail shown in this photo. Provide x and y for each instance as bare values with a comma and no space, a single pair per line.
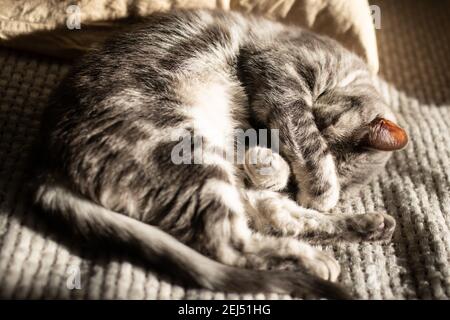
166,253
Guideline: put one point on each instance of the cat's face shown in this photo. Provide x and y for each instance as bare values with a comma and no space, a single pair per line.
361,133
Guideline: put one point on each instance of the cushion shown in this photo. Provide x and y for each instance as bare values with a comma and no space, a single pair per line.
50,26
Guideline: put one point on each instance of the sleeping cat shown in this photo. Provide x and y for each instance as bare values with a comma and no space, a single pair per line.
109,135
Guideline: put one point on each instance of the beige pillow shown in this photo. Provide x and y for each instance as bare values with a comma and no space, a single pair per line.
41,26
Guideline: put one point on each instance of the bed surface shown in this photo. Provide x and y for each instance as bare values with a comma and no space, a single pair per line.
415,188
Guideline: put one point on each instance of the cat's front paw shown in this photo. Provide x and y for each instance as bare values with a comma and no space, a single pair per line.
370,227
266,169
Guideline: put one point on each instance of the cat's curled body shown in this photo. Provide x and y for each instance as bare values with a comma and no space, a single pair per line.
109,136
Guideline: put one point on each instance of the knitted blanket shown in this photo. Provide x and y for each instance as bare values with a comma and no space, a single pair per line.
415,188
36,262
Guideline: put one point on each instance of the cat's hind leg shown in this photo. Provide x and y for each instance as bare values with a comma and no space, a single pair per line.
168,254
228,238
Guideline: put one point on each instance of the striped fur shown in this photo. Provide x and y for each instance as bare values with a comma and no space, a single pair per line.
108,135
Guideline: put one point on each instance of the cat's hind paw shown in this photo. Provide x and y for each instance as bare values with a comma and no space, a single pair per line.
323,266
317,263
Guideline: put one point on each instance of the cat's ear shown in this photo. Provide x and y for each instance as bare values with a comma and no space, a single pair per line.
385,135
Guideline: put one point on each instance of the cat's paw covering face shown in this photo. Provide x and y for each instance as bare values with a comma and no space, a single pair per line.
354,165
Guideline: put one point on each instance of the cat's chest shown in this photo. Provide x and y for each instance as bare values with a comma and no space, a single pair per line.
216,109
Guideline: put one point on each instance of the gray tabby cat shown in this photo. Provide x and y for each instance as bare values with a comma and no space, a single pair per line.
108,132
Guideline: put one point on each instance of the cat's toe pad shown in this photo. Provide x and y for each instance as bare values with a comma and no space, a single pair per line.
266,169
372,226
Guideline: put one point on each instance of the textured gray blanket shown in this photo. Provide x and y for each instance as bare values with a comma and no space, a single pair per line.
415,188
